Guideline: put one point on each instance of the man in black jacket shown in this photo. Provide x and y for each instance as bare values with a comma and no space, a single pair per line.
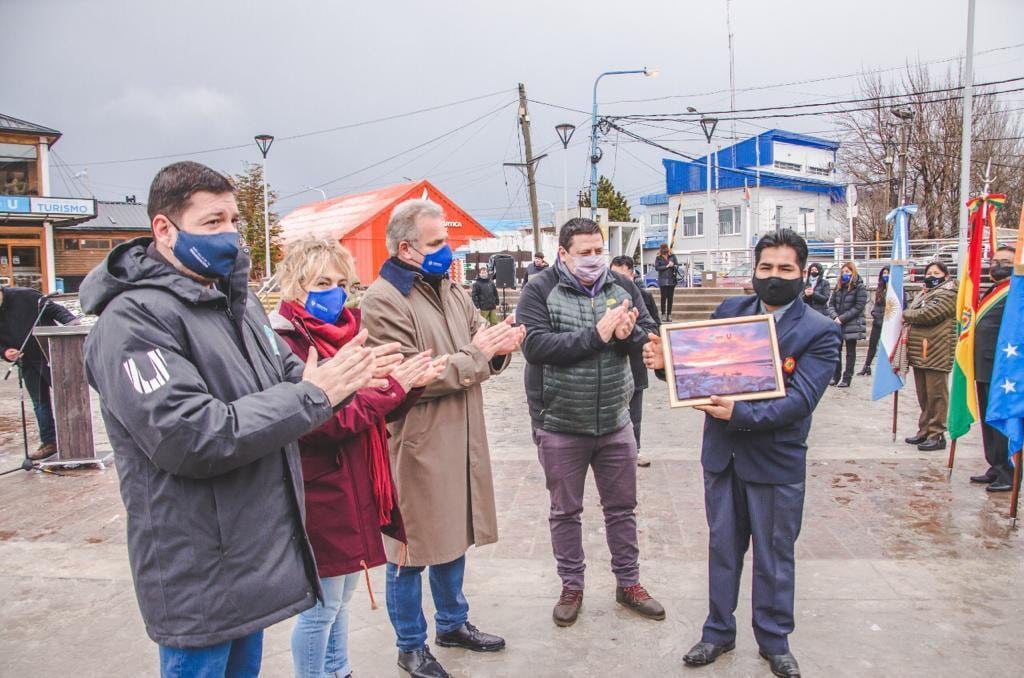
582,322
624,267
538,265
485,296
999,476
203,404
19,308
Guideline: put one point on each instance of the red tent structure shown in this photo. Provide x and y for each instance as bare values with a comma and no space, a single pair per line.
359,221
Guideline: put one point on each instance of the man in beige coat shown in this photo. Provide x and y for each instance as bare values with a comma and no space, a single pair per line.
439,454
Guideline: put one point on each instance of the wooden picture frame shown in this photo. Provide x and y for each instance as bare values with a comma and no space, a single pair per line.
736,358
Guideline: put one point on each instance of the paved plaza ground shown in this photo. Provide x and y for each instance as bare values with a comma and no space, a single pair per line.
900,571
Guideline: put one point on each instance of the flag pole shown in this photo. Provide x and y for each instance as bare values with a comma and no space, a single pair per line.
952,454
895,410
1016,489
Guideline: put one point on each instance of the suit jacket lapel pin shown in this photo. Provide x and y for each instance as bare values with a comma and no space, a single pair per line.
789,365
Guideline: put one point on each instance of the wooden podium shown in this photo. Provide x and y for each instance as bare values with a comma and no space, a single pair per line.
72,403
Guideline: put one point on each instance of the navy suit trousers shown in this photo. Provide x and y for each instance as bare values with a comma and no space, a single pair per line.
737,512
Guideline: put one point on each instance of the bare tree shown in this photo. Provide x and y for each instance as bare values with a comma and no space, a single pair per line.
873,135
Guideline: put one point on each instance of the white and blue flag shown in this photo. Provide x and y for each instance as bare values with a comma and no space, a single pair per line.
887,378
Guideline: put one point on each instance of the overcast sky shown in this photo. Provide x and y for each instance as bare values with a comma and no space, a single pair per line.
125,80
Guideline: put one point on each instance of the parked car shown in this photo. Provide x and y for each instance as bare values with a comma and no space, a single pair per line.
869,269
738,277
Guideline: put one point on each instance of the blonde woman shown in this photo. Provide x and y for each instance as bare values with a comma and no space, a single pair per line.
846,308
349,492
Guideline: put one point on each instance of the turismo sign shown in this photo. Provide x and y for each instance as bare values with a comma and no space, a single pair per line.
35,206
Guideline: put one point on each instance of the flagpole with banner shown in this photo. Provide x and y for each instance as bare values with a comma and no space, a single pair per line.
888,376
963,395
1006,390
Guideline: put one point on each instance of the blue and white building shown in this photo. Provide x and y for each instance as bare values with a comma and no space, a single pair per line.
777,179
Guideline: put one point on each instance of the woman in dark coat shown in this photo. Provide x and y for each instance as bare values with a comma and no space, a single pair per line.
877,316
816,292
667,266
349,492
929,323
846,307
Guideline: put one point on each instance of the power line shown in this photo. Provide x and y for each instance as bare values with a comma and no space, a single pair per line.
811,80
288,138
408,150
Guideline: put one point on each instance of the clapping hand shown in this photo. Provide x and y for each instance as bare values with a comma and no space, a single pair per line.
501,339
349,370
610,321
625,328
419,370
385,359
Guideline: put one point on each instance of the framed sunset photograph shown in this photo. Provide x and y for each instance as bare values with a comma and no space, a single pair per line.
736,358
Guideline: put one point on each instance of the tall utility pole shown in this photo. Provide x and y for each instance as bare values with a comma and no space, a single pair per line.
531,179
732,78
263,142
965,135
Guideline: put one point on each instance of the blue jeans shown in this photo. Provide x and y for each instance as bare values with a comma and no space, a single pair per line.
239,658
37,383
320,637
405,601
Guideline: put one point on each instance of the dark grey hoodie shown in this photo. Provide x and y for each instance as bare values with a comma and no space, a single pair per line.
203,405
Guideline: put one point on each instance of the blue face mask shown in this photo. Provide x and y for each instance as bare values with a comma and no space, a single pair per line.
326,305
437,263
211,256
885,277
846,277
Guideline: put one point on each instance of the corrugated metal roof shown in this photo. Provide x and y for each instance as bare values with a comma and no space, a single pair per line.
12,125
336,217
114,216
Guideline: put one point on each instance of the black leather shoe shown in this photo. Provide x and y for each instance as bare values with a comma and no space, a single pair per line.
866,372
984,479
999,487
783,665
470,637
933,444
833,382
704,653
843,384
915,440
421,664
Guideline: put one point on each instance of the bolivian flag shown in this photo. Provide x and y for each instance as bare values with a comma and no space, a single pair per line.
963,398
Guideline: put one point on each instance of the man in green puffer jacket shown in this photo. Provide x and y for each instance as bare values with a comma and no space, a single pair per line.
582,323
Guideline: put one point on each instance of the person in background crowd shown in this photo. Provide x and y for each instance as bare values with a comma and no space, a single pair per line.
204,404
439,452
624,267
350,494
667,267
846,308
877,317
19,308
929,329
535,267
485,295
817,293
582,322
755,461
999,476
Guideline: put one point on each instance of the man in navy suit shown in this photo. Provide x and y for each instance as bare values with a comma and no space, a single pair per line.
754,457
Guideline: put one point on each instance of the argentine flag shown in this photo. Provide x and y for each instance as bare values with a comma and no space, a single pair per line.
886,379
1006,390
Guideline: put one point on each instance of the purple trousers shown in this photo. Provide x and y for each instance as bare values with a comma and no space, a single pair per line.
565,459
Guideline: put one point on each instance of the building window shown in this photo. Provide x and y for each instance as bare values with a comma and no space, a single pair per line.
693,223
659,219
820,171
18,170
778,217
790,166
70,243
729,221
87,244
805,221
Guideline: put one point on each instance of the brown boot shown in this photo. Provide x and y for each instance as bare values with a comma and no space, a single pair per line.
637,599
568,607
44,451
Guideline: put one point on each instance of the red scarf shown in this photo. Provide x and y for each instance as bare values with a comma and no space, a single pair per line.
327,338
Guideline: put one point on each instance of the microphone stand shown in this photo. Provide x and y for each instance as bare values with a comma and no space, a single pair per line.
26,463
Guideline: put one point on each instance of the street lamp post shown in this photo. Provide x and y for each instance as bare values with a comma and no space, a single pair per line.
263,142
708,125
323,194
565,131
595,155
